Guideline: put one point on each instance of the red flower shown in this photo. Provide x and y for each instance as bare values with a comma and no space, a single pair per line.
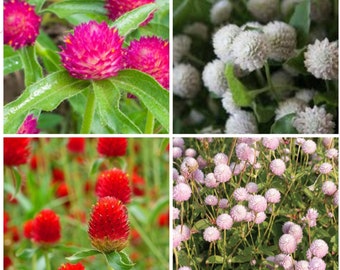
163,220
112,147
7,262
108,226
15,233
28,226
61,192
16,151
113,183
138,184
46,227
6,220
21,24
76,145
58,176
150,55
69,266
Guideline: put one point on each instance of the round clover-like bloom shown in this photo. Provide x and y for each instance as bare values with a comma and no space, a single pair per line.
184,231
311,217
240,194
69,266
228,103
211,234
309,147
277,167
178,142
287,262
296,231
220,11
336,198
321,59
176,152
16,151
332,153
329,188
222,173
319,248
214,78
29,126
242,122
317,264
272,195
186,81
176,238
242,151
224,222
21,24
260,217
238,213
210,181
223,40
46,227
263,10
271,143
181,192
108,225
211,200
301,265
252,187
287,244
325,168
150,55
113,183
175,213
190,152
250,50
289,106
223,203
85,58
184,268
257,203
188,166
286,226
112,147
220,158
282,40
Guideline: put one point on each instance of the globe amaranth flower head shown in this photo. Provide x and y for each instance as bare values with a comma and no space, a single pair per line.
321,59
76,145
112,147
46,227
325,168
263,10
238,213
224,222
211,200
319,248
241,122
211,234
108,225
301,265
222,173
29,126
21,24
85,58
277,167
150,55
257,203
186,81
240,194
181,47
16,151
272,195
69,266
214,78
220,11
181,192
329,188
287,244
317,264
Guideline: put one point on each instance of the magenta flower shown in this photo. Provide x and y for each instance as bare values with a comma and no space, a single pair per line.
93,51
150,55
29,126
21,24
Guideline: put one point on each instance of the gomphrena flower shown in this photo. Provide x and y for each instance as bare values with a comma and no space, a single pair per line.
309,147
117,8
238,212
220,158
271,143
113,183
21,24
46,227
181,192
252,187
76,145
16,151
181,46
287,244
214,78
185,232
311,217
176,152
224,222
301,265
85,58
317,264
296,231
112,147
29,126
325,168
277,167
272,195
223,203
321,59
211,234
250,50
184,268
222,173
176,238
319,248
328,188
257,203
211,200
220,12
241,122
150,55
69,266
108,225
28,226
240,194
186,81
263,10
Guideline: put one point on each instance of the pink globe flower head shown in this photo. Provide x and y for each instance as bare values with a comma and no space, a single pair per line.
175,213
327,142
21,24
117,8
277,166
150,55
319,248
311,217
257,203
325,168
286,226
272,195
211,234
329,188
250,216
211,200
184,231
29,126
252,187
332,153
85,58
176,152
220,158
181,192
178,142
243,151
287,244
317,264
309,147
190,152
223,203
188,166
198,176
176,238
184,268
336,198
175,174
224,222
301,265
260,217
181,179
210,181
222,173
202,163
287,262
309,254
296,231
238,213
271,143
240,194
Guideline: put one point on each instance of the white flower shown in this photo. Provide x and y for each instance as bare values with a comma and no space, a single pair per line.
314,121
222,41
186,81
241,122
250,49
181,46
282,39
220,12
289,106
321,59
197,29
228,103
305,95
263,10
213,77
282,78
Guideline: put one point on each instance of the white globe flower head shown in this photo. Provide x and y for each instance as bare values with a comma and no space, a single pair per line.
186,81
181,46
263,10
305,95
220,12
222,41
314,121
250,50
241,122
321,59
289,106
213,77
282,40
197,29
228,103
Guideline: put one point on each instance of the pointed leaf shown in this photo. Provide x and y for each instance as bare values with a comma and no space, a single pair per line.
300,20
119,260
297,62
26,253
12,60
32,69
214,260
82,254
284,125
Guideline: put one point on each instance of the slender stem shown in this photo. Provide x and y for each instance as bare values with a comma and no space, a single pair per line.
47,261
150,123
269,80
89,112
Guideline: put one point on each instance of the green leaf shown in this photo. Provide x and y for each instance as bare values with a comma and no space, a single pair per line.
240,93
138,212
132,20
148,91
284,125
214,260
82,254
48,121
18,180
107,99
160,205
12,60
201,224
330,98
297,62
37,3
300,20
96,165
32,68
45,94
151,29
25,253
119,260
49,57
263,113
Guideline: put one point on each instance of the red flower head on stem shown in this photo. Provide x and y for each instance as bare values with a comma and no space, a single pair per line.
16,151
108,226
28,226
69,266
76,145
21,24
112,147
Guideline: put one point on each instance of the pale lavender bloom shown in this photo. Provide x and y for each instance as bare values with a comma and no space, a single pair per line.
211,234
336,198
250,216
184,231
287,244
184,268
176,238
257,203
198,176
240,194
175,174
332,153
277,166
211,200
327,142
296,231
271,143
329,188
222,173
252,187
319,248
202,163
309,147
273,195
317,264
286,226
176,152
190,152
325,168
181,192
29,126
175,213
312,215
220,158
224,222
223,203
210,181
238,213
301,265
181,179
287,263
242,151
178,142
260,217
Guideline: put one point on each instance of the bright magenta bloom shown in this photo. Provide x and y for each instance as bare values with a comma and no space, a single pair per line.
93,51
21,24
150,55
29,126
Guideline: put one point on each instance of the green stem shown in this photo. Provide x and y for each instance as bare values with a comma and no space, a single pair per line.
89,112
47,261
150,123
269,80
32,69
